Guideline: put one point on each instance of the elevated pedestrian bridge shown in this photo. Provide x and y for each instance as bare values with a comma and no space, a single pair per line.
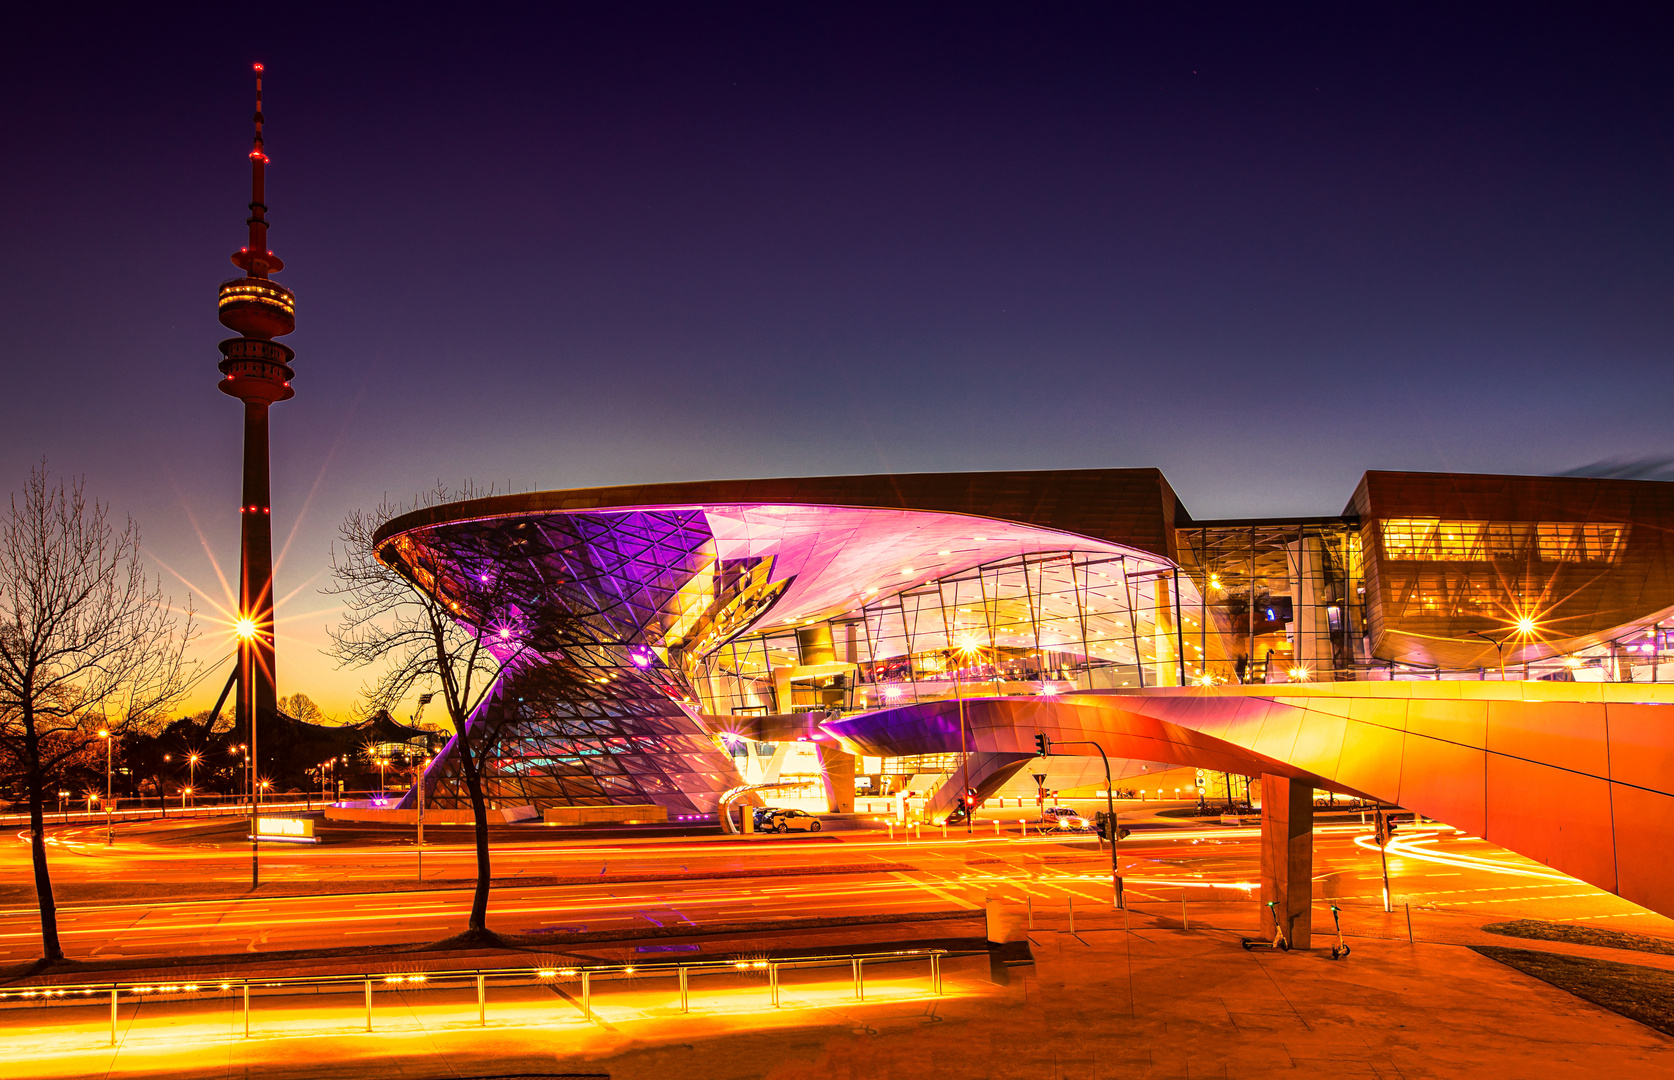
1579,776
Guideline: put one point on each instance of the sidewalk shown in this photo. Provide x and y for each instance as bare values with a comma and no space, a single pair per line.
1152,1003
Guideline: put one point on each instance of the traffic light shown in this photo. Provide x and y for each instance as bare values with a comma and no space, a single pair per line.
1384,829
1043,745
1101,825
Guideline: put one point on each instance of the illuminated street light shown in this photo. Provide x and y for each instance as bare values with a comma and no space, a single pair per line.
245,628
1499,647
110,825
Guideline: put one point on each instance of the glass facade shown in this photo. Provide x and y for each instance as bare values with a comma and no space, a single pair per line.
1276,602
1051,622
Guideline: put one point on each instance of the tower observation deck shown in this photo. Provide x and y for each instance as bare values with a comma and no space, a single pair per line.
257,371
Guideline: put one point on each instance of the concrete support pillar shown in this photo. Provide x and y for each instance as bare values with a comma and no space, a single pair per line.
1287,857
837,774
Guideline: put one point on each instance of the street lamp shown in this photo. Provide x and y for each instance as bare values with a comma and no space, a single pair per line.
1499,648
192,774
245,629
963,652
110,826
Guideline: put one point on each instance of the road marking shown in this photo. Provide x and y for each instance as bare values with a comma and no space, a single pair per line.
933,891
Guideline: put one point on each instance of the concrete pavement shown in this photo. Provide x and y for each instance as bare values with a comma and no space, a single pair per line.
1154,1002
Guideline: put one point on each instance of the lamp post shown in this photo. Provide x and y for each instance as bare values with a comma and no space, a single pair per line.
962,652
1115,827
192,776
110,825
1499,648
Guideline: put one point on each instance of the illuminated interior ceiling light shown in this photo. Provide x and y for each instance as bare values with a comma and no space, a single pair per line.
1525,626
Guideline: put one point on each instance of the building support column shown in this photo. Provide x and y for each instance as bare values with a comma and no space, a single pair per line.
837,775
1287,858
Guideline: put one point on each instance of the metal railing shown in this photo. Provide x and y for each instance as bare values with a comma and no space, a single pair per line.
581,978
153,812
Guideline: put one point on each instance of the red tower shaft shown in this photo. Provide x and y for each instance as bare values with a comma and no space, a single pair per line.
257,371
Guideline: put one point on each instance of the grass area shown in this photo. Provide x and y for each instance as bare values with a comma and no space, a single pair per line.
1582,935
1638,993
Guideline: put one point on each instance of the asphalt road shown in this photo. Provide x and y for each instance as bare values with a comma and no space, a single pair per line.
1430,867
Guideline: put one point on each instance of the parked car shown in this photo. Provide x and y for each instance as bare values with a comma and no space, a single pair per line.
1065,819
791,821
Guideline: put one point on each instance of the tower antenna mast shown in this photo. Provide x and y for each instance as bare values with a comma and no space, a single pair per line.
256,370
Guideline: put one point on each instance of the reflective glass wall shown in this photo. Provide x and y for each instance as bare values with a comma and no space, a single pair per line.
1046,623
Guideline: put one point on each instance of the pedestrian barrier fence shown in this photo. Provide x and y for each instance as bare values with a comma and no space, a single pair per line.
577,982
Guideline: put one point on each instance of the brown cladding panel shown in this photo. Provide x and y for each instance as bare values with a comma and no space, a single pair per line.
1570,600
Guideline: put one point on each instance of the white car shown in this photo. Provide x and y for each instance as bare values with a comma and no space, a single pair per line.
791,821
1065,819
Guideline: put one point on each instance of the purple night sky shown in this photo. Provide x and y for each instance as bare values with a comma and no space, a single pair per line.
1262,250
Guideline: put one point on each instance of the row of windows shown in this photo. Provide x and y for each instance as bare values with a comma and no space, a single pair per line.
1435,540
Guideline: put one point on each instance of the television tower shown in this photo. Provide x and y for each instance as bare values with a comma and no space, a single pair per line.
257,371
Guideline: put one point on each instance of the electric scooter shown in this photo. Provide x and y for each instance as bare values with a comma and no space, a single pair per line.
1280,940
1341,949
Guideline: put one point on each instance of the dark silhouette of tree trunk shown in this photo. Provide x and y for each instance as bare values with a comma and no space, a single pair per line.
421,610
88,646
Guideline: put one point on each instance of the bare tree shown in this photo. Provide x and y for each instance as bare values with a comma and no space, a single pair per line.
300,706
433,610
87,643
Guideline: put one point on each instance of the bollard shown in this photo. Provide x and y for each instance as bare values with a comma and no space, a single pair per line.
246,1010
944,830
773,983
113,1016
859,979
1185,920
936,973
891,827
684,1004
482,1000
1409,924
368,1004
996,826
1031,913
1072,914
587,995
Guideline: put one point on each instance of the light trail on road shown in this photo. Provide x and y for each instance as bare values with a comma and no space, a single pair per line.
590,884
1407,846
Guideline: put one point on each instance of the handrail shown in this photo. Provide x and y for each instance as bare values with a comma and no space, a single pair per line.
146,813
218,984
210,989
